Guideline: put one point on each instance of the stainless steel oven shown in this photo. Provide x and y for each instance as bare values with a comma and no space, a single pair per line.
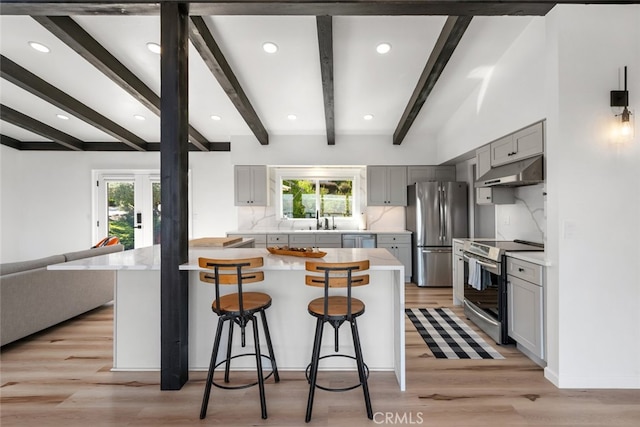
485,289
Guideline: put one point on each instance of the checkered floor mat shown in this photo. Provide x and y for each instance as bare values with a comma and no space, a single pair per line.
448,337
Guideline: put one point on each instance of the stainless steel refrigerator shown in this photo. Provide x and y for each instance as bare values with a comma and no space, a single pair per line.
436,214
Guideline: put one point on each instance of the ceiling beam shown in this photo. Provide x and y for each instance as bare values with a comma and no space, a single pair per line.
206,45
72,34
325,44
33,84
14,117
10,142
450,36
295,7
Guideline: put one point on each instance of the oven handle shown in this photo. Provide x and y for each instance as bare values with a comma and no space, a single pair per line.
479,314
485,264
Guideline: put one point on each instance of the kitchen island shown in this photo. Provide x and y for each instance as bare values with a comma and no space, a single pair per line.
137,309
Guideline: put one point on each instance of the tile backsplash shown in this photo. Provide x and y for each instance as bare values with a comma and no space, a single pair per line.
525,219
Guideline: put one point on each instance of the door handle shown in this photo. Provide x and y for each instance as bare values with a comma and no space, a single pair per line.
139,220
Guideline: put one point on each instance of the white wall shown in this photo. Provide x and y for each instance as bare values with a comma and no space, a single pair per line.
514,98
594,199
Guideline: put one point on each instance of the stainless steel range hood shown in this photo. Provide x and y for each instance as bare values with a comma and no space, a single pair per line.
524,172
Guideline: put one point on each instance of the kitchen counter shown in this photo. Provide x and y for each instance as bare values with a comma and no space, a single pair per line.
136,345
337,231
536,257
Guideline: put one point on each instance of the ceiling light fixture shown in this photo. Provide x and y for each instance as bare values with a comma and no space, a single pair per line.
153,47
216,118
139,117
292,117
270,47
39,47
368,117
383,48
624,125
62,117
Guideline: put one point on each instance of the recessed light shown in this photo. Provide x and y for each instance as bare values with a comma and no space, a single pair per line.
62,117
39,47
368,117
139,117
216,118
292,117
270,47
383,48
153,47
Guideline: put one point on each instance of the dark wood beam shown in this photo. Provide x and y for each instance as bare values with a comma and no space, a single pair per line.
31,83
10,142
296,7
174,167
450,36
325,44
72,34
210,52
12,116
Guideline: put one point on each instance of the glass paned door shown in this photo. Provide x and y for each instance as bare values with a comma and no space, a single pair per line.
121,212
128,207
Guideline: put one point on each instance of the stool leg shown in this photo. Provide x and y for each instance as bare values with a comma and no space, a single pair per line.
228,361
361,371
212,365
256,340
272,355
315,360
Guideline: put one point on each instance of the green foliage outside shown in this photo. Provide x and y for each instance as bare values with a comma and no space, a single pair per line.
121,215
300,200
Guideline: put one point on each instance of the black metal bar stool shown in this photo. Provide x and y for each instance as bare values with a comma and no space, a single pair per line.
238,308
336,310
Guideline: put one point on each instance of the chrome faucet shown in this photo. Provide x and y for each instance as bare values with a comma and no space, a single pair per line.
326,223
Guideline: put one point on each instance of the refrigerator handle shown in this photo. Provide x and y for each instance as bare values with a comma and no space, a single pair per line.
441,209
444,214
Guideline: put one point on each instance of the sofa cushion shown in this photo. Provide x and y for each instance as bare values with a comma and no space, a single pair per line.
72,256
14,267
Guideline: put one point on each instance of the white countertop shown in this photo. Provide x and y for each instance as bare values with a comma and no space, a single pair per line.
536,257
149,259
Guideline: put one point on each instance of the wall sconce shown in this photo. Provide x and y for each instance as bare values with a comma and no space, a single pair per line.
624,126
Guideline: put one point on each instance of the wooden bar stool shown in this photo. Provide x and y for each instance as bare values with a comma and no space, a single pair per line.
336,310
238,308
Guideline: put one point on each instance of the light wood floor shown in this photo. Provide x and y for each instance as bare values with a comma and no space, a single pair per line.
62,377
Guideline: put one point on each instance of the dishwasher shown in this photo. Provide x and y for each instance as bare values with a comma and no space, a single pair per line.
358,240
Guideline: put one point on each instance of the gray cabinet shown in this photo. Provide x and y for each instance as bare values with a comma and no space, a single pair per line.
250,184
458,272
490,195
277,240
400,247
520,145
260,239
305,240
386,185
430,173
525,290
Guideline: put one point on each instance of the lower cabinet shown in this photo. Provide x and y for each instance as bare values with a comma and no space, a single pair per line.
526,308
400,247
260,240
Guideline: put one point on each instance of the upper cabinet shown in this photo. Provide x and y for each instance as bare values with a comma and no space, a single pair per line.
386,185
525,143
250,185
490,195
430,173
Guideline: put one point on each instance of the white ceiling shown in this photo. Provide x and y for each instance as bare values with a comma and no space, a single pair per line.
287,82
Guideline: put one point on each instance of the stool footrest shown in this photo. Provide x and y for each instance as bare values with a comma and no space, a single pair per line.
241,386
339,389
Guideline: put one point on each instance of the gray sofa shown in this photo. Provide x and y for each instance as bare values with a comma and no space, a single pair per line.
33,298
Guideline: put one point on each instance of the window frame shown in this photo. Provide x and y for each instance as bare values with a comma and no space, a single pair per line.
324,173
